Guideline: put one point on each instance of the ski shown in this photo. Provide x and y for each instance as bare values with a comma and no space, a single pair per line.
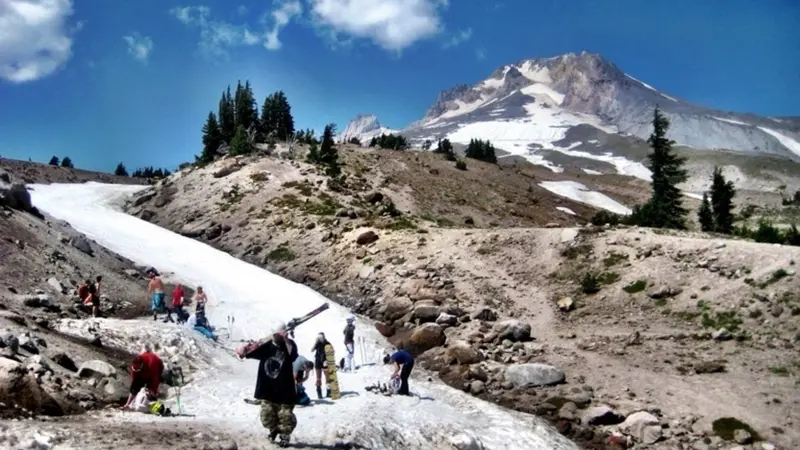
251,401
290,326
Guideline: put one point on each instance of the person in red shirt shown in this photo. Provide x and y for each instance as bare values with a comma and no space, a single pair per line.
146,372
177,305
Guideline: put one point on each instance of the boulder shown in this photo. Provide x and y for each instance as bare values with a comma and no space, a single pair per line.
425,311
20,390
484,314
231,166
396,307
374,197
192,230
447,319
601,415
461,352
566,304
383,329
366,238
82,244
113,390
96,369
213,231
426,337
642,426
13,194
64,361
56,285
513,330
9,341
465,441
533,375
144,198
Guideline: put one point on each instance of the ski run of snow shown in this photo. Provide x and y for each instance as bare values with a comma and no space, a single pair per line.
735,122
786,141
580,193
438,417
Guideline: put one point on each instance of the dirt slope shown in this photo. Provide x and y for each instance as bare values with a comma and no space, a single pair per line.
687,327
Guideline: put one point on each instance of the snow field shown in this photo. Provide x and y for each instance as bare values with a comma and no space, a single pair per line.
257,298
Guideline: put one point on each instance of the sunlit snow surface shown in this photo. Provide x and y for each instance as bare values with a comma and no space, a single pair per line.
256,297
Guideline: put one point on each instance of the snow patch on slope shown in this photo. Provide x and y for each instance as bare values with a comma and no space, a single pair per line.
564,209
256,297
580,193
735,122
786,141
642,83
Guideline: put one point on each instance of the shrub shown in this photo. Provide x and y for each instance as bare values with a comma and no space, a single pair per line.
461,165
605,217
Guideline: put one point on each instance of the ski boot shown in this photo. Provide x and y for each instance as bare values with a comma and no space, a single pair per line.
328,392
319,392
284,441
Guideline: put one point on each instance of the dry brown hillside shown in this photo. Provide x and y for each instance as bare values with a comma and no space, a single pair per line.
619,336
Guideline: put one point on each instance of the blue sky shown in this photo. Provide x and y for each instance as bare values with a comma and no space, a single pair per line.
105,81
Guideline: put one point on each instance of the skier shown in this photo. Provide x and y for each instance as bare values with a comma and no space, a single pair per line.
349,342
275,384
146,372
320,363
403,364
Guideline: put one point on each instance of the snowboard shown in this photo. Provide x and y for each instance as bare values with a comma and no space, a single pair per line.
330,368
290,326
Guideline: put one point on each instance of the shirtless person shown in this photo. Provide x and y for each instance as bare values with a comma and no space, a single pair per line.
200,299
156,288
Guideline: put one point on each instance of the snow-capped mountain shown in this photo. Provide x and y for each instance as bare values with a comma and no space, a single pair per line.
364,127
564,102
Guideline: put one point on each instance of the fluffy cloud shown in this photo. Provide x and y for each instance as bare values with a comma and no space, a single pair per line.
35,38
391,24
216,37
458,38
281,16
139,46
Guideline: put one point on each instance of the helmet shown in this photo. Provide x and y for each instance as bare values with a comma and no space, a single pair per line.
277,326
351,318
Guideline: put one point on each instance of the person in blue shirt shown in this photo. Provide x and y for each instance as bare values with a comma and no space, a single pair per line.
403,363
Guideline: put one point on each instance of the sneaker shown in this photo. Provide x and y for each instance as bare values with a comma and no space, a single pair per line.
284,442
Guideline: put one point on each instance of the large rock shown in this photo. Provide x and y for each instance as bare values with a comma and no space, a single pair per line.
395,308
366,238
12,194
230,167
144,198
513,330
96,369
533,375
461,352
113,390
642,426
425,311
601,415
20,390
64,361
484,314
192,230
426,337
56,285
82,244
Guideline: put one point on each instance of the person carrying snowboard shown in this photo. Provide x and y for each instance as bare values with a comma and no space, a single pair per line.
320,363
349,343
403,363
275,384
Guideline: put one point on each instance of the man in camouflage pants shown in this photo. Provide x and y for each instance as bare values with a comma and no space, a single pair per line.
275,385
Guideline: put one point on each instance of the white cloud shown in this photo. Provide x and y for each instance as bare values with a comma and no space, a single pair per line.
216,37
241,10
281,17
392,24
458,38
139,46
480,53
35,39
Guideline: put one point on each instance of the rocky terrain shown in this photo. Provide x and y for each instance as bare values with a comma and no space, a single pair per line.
57,364
621,337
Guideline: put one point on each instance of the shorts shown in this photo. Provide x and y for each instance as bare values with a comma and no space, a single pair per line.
96,301
158,301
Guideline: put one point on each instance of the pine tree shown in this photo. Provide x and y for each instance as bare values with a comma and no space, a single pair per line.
427,144
212,139
227,116
67,162
481,150
446,148
705,216
328,154
665,207
245,109
276,117
313,153
54,161
354,140
722,193
373,142
240,145
121,171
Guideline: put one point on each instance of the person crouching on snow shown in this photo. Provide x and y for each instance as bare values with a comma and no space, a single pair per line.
403,363
275,382
146,372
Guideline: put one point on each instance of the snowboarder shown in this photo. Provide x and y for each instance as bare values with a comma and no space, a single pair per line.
275,383
349,342
320,363
403,364
146,372
156,288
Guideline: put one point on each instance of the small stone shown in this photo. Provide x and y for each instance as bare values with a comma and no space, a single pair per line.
742,436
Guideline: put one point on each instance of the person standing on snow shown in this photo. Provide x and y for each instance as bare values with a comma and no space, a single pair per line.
177,305
146,372
275,383
349,342
403,363
320,363
156,288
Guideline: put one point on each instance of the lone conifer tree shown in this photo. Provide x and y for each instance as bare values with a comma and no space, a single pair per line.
121,171
67,162
212,139
54,161
705,216
328,154
722,193
276,117
665,207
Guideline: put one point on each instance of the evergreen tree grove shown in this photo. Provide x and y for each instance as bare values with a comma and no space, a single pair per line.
481,150
722,193
446,148
226,115
665,207
276,117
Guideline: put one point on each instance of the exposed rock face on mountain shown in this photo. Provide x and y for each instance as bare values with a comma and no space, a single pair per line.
364,127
